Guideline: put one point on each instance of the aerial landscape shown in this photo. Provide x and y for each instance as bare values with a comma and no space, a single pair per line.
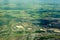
29,20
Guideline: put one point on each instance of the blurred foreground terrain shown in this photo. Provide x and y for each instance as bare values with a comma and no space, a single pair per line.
29,22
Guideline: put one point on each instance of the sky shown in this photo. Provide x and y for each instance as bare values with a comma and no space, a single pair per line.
36,1
33,1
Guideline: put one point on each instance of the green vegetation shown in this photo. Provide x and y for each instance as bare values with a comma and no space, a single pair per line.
10,18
